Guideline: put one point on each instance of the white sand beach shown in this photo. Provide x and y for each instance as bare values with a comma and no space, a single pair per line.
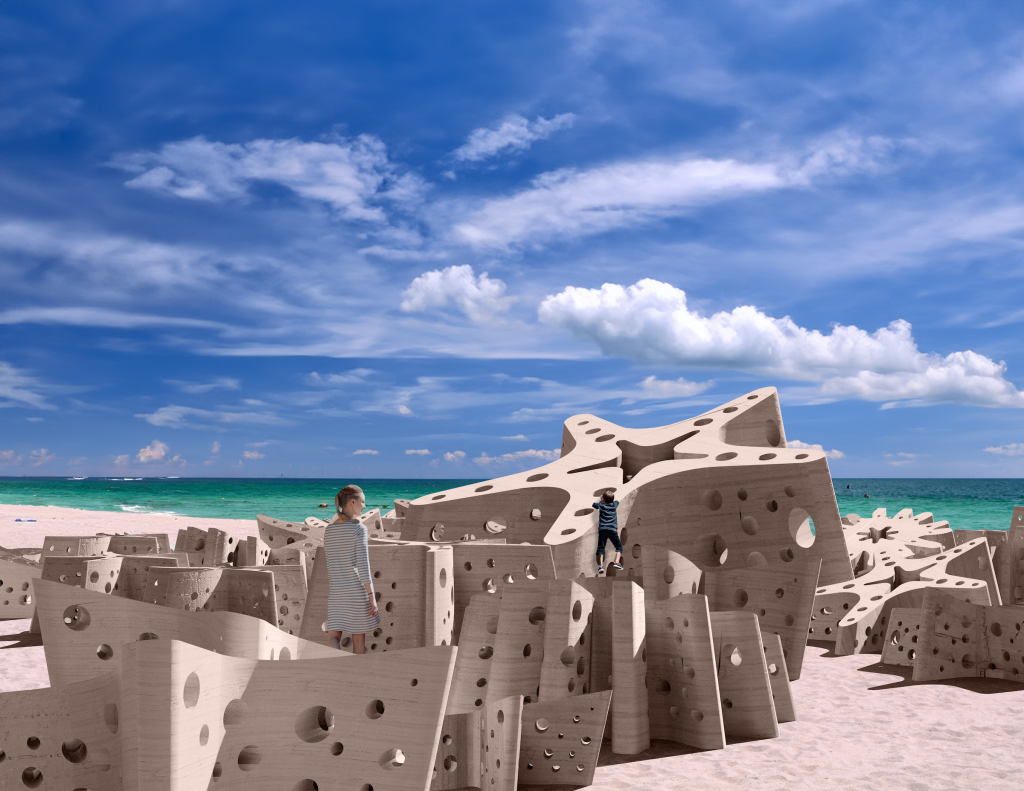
57,521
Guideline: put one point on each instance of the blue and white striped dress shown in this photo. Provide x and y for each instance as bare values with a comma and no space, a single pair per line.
348,566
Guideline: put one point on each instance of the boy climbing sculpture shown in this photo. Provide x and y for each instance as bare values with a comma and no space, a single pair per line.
608,530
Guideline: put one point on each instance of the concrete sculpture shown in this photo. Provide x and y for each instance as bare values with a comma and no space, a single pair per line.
169,658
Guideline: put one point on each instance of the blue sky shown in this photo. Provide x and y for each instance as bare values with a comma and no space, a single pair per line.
408,239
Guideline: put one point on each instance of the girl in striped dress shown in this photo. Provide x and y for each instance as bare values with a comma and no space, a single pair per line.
351,605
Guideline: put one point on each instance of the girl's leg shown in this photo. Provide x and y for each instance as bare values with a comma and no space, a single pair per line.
334,639
359,643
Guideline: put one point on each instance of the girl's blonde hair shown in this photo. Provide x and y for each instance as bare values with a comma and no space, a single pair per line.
341,498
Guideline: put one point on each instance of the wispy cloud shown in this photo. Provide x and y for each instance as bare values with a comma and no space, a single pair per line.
1012,449
573,203
216,447
253,455
419,452
518,438
365,452
18,388
519,456
195,388
189,417
673,388
350,175
514,133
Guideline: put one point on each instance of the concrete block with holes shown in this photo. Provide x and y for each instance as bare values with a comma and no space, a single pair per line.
66,546
565,668
855,614
92,573
16,575
415,596
682,673
748,705
630,714
958,639
781,596
85,631
561,740
487,568
173,715
244,591
721,489
145,544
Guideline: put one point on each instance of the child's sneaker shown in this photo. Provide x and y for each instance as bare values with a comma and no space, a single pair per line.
600,570
616,566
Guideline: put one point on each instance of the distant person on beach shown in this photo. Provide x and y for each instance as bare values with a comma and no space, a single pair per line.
351,605
608,530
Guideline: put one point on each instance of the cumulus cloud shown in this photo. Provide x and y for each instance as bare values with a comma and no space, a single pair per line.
519,455
672,388
155,451
189,417
455,455
479,297
215,448
122,460
253,454
1013,449
651,322
580,202
514,133
829,454
349,175
19,388
365,452
420,452
220,383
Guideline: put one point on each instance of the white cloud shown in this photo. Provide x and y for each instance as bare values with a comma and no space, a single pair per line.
404,410
19,389
579,202
189,417
98,317
215,448
365,452
122,460
349,175
355,376
673,388
479,297
208,462
455,455
1013,449
7,457
900,459
518,438
155,451
253,454
651,322
220,383
829,454
34,419
519,455
421,452
514,133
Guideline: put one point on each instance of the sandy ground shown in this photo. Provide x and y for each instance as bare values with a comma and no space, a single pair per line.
860,726
55,521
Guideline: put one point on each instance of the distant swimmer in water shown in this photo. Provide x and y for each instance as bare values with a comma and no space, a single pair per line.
867,495
322,505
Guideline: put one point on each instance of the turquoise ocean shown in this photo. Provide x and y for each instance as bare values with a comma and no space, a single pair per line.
969,503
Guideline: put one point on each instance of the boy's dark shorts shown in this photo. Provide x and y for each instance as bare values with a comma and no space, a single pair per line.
604,536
